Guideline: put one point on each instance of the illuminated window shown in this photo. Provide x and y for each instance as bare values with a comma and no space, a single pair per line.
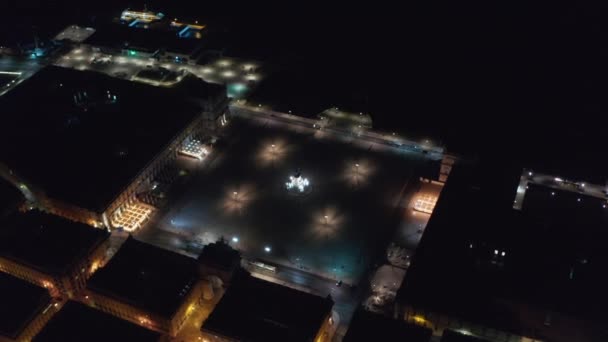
425,203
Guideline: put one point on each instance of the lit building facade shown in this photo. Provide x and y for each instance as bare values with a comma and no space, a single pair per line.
29,306
439,322
147,285
199,114
42,259
150,320
252,309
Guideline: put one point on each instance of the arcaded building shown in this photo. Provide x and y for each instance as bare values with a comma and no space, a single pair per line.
24,308
78,322
147,285
51,251
526,261
86,146
257,310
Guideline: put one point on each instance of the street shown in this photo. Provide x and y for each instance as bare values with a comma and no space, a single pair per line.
528,176
361,137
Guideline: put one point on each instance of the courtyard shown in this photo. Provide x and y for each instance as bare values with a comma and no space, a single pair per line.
345,218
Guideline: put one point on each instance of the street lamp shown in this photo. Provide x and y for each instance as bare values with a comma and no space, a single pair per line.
267,249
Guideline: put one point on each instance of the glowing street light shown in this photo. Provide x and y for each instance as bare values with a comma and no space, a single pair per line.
267,249
224,63
228,74
235,239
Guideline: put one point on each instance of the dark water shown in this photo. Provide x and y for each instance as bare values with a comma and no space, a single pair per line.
524,82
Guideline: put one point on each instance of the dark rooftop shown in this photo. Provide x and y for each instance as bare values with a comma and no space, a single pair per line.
76,322
83,136
10,197
554,254
157,37
48,243
147,277
368,326
454,336
256,310
220,255
20,303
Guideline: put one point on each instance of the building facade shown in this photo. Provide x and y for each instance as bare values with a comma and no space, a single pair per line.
168,325
59,285
209,120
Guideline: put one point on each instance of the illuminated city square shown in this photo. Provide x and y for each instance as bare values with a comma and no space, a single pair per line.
353,204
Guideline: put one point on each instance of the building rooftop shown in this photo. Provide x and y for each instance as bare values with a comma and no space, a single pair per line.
256,310
74,33
78,322
509,269
157,36
20,303
147,277
101,132
48,243
368,326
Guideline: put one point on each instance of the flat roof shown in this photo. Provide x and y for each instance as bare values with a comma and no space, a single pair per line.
485,262
147,277
256,310
159,36
83,136
47,243
20,303
74,33
78,322
559,205
367,326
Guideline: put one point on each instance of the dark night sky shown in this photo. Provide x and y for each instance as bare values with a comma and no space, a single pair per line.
483,77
